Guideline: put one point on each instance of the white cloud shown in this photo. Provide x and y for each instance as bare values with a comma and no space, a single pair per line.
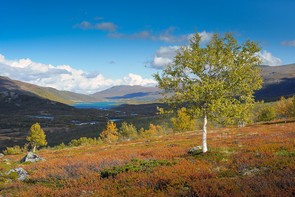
290,43
105,26
164,56
269,59
64,77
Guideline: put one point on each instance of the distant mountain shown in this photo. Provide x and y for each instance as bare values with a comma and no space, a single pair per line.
278,81
127,93
66,97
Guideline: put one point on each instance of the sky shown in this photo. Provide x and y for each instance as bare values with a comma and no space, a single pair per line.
87,46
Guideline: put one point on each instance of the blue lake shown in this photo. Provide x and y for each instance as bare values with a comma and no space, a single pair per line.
96,105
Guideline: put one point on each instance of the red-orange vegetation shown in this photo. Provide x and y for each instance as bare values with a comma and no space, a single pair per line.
256,160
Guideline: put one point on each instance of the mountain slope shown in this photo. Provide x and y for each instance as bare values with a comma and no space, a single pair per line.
66,97
125,92
277,81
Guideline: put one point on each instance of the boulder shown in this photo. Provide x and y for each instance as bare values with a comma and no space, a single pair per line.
22,174
195,150
1,155
31,157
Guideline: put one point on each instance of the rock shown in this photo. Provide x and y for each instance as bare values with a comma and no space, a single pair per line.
31,157
1,155
195,150
22,174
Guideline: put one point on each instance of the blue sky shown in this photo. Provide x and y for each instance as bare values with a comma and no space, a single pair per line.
86,46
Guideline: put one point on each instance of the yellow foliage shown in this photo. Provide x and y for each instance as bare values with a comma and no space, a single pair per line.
183,122
285,107
37,136
110,134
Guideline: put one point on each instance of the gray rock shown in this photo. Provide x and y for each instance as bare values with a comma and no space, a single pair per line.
194,150
22,174
1,155
31,157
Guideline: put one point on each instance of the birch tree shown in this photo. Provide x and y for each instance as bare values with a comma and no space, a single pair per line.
36,136
215,81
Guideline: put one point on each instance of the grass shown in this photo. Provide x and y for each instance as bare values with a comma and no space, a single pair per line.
253,161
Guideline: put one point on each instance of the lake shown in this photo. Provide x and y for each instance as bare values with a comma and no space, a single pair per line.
96,105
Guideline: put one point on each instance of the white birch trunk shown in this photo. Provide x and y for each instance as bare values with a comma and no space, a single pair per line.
34,149
204,136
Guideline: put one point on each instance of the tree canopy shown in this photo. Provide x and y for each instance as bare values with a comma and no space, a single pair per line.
215,81
36,136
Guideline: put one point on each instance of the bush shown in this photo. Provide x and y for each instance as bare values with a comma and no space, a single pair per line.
153,130
84,141
15,150
110,134
135,165
182,122
285,108
127,131
267,114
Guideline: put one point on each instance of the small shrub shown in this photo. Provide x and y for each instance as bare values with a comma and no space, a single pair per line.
285,108
84,141
15,150
127,131
182,122
110,134
135,165
267,114
61,146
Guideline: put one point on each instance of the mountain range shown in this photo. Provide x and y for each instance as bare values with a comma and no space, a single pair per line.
278,81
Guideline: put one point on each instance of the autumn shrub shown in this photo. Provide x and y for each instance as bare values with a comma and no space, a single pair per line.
110,133
267,114
154,130
284,108
182,122
127,131
84,141
15,150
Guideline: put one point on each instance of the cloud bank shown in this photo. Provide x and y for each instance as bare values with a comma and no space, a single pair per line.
269,59
64,77
165,56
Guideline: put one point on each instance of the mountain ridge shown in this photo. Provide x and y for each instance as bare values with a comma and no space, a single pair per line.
278,81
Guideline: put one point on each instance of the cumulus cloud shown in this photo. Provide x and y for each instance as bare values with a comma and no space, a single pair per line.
104,26
269,59
64,77
164,56
290,43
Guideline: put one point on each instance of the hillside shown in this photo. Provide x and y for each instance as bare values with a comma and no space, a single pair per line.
278,81
257,160
66,97
125,93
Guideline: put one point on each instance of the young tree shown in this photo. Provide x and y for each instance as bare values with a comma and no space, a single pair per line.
285,107
36,136
216,81
127,131
182,122
110,134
